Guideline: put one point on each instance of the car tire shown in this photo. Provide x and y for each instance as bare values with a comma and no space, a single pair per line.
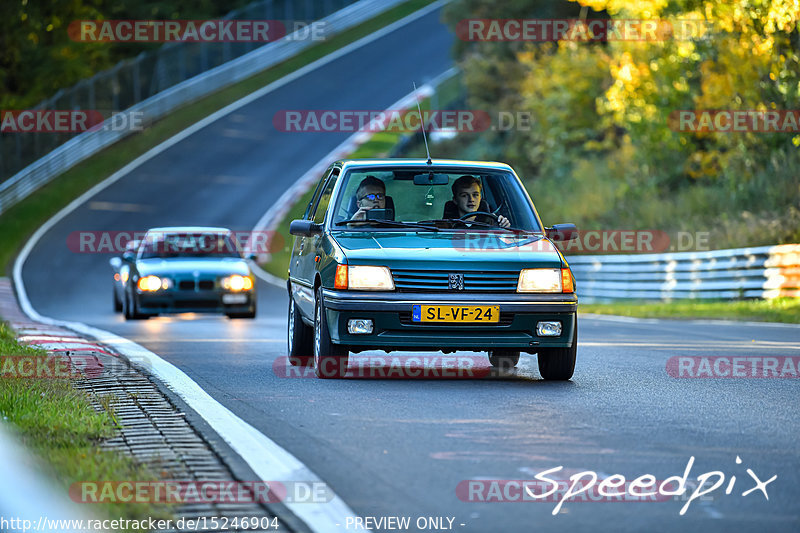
130,310
117,303
300,338
330,360
558,364
504,359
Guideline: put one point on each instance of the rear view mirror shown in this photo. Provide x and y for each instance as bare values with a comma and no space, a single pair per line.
115,263
430,178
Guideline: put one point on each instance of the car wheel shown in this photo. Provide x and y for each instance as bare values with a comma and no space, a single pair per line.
558,364
330,359
504,359
131,312
117,303
300,338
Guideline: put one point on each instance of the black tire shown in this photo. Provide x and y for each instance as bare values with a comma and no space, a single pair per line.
504,359
330,360
117,303
300,338
130,309
558,364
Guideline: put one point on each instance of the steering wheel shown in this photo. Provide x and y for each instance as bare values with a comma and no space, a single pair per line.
475,213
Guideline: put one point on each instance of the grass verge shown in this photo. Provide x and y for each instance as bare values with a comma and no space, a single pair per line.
58,424
776,310
21,221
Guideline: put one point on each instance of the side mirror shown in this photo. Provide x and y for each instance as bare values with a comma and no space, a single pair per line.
562,232
304,228
115,263
252,256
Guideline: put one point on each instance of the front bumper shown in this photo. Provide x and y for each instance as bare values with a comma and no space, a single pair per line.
393,328
207,301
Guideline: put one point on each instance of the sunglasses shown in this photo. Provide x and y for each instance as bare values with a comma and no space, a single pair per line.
373,197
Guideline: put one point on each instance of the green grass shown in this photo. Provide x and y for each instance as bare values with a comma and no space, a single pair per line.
58,424
21,221
775,310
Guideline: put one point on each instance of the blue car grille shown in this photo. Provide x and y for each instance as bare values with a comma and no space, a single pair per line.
439,280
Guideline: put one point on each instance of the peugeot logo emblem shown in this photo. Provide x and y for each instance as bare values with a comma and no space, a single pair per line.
456,282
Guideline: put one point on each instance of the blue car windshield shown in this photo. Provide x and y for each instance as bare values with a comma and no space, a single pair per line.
159,245
446,199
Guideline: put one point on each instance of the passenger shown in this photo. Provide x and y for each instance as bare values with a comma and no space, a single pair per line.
371,194
467,198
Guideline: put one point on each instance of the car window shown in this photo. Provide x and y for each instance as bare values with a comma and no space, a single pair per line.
324,199
312,203
159,245
501,194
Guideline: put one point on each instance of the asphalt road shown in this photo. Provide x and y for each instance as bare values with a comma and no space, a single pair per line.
401,447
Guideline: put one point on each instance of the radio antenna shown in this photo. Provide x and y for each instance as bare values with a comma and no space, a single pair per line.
422,124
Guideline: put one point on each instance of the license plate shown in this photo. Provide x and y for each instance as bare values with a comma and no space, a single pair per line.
234,298
456,313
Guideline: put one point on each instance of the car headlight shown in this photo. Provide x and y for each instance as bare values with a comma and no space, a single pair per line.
153,283
237,283
365,278
545,280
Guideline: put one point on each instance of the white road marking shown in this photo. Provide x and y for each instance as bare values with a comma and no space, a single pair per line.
265,457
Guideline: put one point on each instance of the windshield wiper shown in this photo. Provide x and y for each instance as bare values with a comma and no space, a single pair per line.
390,223
470,223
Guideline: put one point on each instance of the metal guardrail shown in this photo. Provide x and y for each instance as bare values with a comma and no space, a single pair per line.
761,272
87,144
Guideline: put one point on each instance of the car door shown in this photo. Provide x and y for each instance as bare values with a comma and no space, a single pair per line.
301,265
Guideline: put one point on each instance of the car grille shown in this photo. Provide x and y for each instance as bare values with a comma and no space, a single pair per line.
505,320
438,281
189,285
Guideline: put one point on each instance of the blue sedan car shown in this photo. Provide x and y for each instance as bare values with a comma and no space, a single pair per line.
185,269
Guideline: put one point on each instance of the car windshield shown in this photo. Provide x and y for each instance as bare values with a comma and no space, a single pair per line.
189,245
420,199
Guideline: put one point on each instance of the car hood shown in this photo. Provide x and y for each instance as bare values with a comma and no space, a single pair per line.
188,266
442,250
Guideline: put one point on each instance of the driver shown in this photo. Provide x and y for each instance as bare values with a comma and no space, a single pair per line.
467,198
371,194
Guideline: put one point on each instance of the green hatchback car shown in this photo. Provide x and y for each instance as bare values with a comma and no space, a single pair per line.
442,255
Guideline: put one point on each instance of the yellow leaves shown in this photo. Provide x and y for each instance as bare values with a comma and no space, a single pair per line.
628,8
